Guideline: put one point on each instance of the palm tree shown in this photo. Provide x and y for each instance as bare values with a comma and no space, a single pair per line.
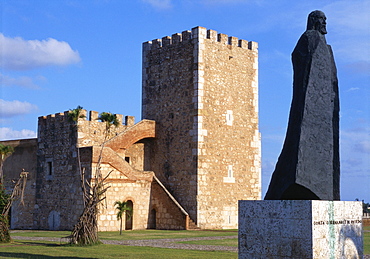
122,208
85,232
73,116
110,119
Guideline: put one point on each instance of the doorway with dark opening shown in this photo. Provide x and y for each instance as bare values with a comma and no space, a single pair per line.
153,219
129,215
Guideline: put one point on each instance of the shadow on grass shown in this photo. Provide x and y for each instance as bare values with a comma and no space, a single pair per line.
26,243
42,256
26,255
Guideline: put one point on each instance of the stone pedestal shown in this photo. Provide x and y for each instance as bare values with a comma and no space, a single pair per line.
300,229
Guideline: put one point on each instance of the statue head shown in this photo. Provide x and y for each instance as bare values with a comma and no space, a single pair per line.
317,21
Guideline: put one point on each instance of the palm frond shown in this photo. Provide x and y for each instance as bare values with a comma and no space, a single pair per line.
75,114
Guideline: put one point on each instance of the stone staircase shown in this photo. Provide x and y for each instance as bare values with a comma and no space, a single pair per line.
192,225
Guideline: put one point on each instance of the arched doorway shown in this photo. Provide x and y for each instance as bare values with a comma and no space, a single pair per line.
129,215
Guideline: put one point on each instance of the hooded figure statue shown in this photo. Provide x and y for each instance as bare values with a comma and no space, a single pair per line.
308,166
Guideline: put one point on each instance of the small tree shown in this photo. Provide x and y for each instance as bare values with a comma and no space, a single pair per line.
4,224
73,116
122,208
6,203
365,207
5,199
110,120
85,232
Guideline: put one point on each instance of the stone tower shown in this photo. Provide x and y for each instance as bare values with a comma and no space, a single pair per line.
201,88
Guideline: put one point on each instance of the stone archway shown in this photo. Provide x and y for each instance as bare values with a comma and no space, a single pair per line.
141,130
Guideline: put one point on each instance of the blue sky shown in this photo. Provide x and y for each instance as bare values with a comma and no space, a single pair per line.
58,54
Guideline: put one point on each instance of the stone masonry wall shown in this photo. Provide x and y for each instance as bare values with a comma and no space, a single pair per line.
58,197
58,191
229,140
122,189
24,157
168,67
91,131
164,212
125,184
135,155
201,88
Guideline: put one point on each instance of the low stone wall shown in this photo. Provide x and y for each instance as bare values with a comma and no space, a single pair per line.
300,229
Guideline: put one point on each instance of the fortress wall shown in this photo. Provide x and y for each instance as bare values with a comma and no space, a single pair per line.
59,200
168,68
23,158
58,190
228,136
201,88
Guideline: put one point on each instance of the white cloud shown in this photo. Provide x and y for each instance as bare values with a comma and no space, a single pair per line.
9,134
19,54
23,81
159,4
353,89
14,108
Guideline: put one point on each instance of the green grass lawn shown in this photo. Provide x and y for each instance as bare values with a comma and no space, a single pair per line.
134,234
50,250
367,240
160,234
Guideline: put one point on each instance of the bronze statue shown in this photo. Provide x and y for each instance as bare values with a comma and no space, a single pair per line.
308,166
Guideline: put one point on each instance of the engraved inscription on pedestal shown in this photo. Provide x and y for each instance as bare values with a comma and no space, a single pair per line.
300,229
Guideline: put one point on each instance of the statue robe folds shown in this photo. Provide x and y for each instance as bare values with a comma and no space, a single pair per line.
308,166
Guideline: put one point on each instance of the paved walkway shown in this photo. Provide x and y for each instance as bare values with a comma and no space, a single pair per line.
163,243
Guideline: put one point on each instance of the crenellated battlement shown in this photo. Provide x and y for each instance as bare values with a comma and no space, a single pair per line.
200,32
91,131
88,116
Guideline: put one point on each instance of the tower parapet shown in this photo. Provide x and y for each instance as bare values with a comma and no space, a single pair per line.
211,35
91,131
